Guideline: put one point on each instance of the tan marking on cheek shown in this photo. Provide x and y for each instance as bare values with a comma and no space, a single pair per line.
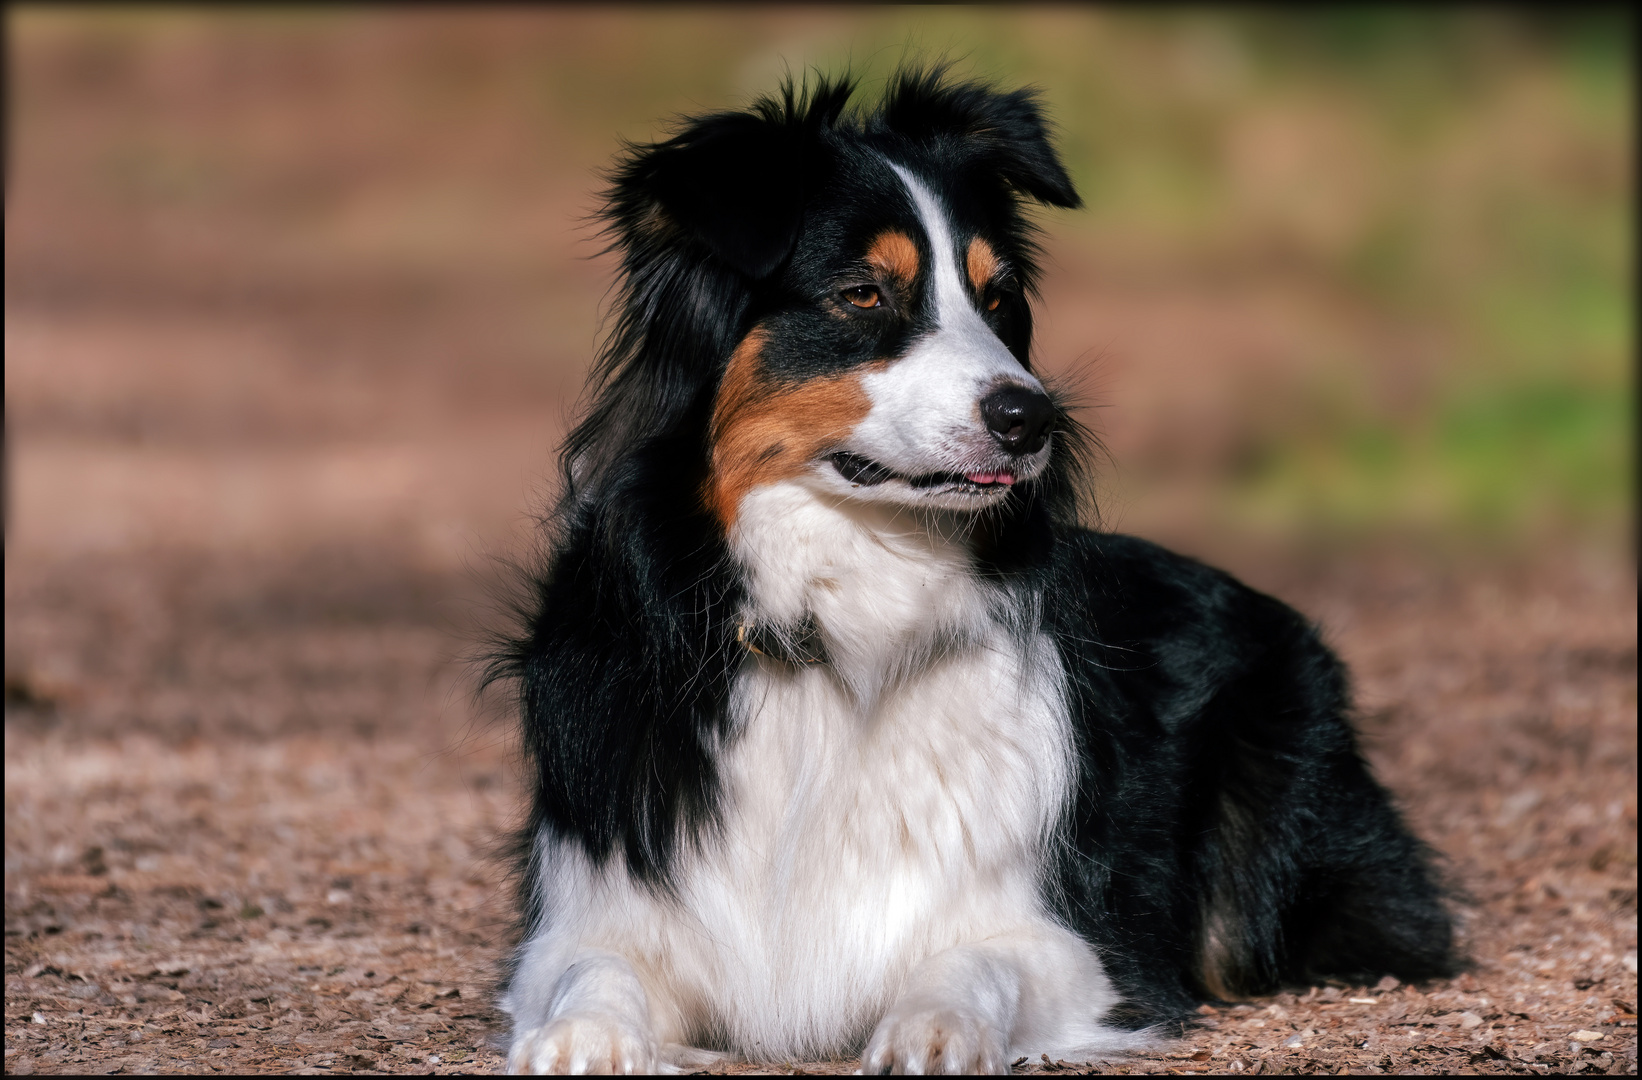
894,256
982,265
764,432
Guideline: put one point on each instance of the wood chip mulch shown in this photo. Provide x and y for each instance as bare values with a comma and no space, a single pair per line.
245,833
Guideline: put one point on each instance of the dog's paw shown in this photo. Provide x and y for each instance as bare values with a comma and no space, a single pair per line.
945,1040
583,1043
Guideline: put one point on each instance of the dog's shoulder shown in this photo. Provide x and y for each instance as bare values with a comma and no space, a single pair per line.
1162,634
1140,590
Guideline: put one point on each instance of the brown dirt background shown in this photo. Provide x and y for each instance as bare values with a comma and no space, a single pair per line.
287,348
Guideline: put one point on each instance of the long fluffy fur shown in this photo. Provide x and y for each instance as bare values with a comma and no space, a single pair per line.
1178,789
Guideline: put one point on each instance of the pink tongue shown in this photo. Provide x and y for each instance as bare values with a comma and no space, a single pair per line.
990,478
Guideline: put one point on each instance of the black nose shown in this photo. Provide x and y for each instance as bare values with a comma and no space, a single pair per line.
1018,418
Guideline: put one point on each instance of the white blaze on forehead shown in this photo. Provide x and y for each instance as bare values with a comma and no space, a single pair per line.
925,415
960,331
951,298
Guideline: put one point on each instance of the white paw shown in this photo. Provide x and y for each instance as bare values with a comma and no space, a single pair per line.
935,1040
582,1043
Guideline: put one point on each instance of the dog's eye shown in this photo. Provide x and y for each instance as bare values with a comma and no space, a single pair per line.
863,296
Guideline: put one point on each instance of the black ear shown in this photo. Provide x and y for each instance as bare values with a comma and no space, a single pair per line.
1001,131
732,182
735,182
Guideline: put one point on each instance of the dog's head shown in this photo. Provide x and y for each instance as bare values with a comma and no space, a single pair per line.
856,286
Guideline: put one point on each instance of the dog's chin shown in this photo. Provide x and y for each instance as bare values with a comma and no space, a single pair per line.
866,480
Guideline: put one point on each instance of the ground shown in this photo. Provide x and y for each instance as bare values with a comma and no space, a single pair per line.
248,819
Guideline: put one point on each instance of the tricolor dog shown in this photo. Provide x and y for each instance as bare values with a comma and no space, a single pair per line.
844,736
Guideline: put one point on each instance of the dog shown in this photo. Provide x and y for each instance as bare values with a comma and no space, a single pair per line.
844,736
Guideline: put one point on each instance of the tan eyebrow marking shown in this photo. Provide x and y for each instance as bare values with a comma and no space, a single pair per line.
983,264
895,256
764,432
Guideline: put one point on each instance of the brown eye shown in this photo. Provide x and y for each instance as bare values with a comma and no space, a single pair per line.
863,296
992,304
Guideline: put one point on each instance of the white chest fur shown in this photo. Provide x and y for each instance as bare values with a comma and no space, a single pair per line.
877,810
890,804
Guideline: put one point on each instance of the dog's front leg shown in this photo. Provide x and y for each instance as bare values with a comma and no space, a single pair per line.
955,1016
597,1021
971,1008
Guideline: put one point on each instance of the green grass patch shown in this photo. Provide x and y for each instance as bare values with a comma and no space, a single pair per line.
1518,459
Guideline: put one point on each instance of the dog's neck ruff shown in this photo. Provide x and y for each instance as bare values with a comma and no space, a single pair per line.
871,594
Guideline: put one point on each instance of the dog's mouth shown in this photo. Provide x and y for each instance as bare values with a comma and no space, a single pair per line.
864,472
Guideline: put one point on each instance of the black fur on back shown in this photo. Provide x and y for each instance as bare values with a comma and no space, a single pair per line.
1225,817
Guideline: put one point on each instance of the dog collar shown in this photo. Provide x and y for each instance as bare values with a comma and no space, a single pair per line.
800,645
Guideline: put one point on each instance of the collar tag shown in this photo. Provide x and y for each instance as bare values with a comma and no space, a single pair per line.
802,645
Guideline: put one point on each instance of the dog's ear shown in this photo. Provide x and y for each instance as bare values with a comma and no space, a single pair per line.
1003,132
735,182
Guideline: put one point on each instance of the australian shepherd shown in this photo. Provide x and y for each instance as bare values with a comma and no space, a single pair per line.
844,736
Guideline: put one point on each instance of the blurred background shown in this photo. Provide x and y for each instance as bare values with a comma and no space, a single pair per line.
299,301
317,276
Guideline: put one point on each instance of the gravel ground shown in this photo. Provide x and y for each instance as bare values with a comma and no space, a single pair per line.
248,810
